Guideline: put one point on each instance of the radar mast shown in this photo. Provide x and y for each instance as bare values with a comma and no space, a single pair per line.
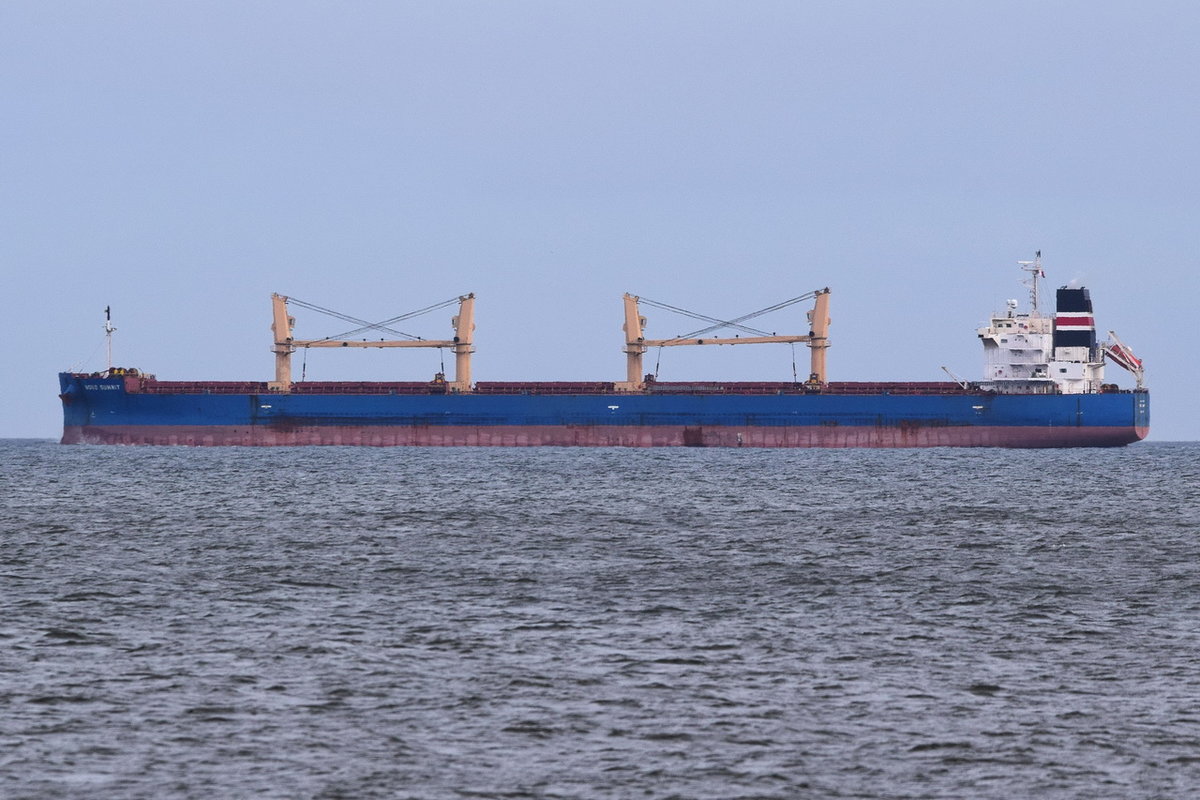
1034,268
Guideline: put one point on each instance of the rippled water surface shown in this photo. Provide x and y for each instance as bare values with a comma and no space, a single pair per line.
558,623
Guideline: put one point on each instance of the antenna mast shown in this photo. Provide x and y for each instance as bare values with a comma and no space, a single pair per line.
1034,268
108,332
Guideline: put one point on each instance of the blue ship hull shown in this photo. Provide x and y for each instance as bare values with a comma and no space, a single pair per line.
131,410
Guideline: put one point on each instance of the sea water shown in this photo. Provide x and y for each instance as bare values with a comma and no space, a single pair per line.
599,623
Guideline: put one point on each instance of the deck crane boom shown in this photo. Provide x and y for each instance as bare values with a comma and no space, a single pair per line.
285,344
636,344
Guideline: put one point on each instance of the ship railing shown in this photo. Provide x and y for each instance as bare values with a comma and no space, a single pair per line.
309,387
899,388
202,387
726,387
369,387
544,387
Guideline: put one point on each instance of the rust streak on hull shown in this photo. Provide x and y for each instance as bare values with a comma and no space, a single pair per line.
604,436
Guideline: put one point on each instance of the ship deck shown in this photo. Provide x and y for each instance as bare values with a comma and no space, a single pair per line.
150,386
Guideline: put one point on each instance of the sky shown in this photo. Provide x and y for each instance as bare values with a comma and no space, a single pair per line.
180,162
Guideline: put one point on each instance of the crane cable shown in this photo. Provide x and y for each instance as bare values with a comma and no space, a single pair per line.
366,326
733,323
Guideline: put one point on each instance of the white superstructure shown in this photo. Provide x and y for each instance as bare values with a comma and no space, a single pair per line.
1026,352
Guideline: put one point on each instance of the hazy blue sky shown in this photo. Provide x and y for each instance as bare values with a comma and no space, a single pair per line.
181,161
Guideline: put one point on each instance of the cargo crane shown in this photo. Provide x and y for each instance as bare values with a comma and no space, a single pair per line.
285,345
636,344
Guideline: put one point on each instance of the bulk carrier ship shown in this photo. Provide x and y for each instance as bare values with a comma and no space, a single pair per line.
1043,387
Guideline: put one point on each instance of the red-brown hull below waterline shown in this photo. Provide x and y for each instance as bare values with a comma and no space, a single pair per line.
603,436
